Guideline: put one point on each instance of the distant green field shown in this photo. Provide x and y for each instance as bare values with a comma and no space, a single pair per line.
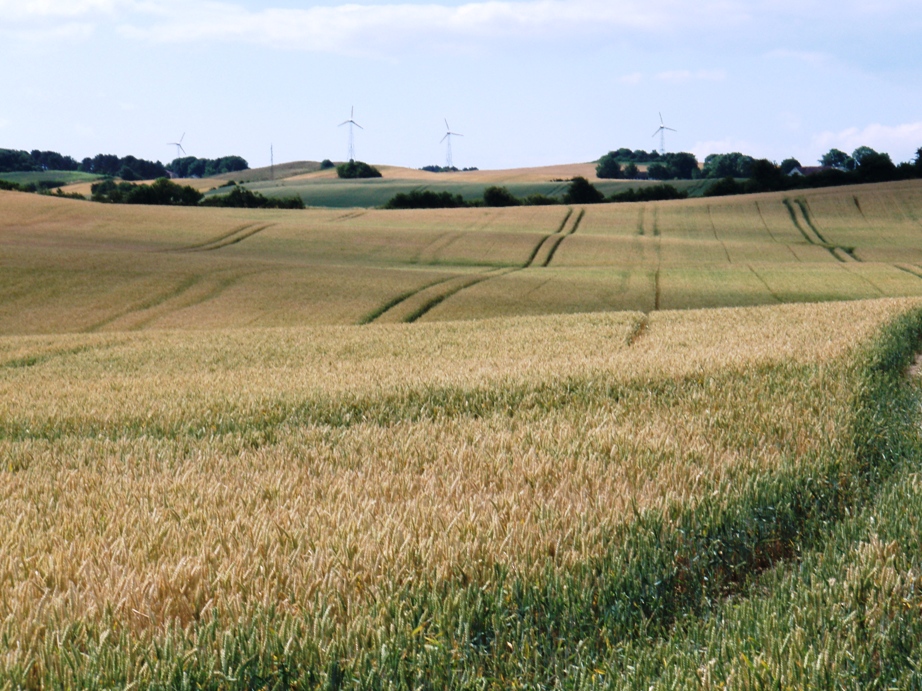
67,177
344,194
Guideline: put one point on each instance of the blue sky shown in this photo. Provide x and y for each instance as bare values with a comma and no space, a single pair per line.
528,82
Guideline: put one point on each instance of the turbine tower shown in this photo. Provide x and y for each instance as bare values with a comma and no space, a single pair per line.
352,123
661,131
448,135
178,145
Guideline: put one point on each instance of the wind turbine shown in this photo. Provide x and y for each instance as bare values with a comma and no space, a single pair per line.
448,135
662,135
352,123
178,145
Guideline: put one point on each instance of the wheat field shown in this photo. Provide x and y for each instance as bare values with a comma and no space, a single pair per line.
69,266
154,481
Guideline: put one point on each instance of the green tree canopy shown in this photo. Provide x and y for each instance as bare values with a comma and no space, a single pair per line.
608,166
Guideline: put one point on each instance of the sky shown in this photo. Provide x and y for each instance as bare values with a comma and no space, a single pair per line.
526,82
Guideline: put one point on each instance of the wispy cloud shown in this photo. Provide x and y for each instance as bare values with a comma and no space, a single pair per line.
900,141
692,76
352,27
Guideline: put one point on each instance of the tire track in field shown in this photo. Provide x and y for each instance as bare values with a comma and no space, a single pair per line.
553,242
24,361
534,253
717,237
429,253
866,280
764,283
191,291
907,270
348,217
793,214
238,234
398,299
436,300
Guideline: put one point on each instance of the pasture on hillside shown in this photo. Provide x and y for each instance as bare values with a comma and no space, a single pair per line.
72,266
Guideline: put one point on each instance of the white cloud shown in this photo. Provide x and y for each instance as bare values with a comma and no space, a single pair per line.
690,76
900,141
12,10
355,27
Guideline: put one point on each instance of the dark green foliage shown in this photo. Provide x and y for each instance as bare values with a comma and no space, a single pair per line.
162,192
12,161
674,166
499,196
764,176
608,167
581,191
357,169
835,158
539,200
648,194
624,155
127,174
425,199
326,164
11,186
875,167
192,167
631,171
109,164
789,164
732,165
724,187
240,197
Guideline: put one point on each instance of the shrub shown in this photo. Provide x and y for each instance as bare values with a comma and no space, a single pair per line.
649,194
608,166
425,199
326,164
581,191
724,187
242,198
499,196
357,169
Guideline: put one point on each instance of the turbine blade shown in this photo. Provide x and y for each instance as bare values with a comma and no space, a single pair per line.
182,149
445,137
447,126
670,129
344,123
358,125
661,119
657,131
182,137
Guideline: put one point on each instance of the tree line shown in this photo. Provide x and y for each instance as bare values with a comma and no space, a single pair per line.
164,192
127,168
579,191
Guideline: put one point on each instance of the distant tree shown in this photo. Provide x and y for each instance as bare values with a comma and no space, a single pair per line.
789,164
838,159
724,187
540,200
918,162
12,161
764,176
683,165
631,171
425,199
127,174
875,167
659,171
581,191
161,192
242,198
499,196
326,164
357,169
733,165
608,166
648,194
862,151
